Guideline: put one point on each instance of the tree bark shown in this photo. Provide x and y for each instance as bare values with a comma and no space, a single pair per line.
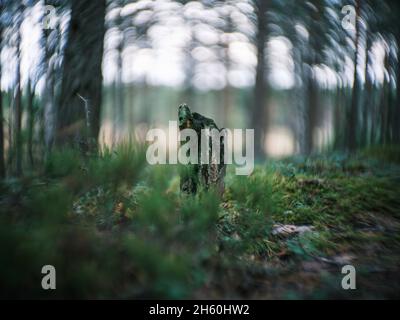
395,28
18,103
119,107
227,91
2,163
367,104
396,127
49,112
384,105
312,58
260,88
78,117
311,111
352,128
396,111
31,118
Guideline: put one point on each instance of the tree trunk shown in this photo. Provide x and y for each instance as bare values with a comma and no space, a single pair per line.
227,91
352,128
367,103
227,95
299,95
2,163
384,106
396,127
338,119
311,111
394,7
119,107
49,112
131,106
259,97
312,58
190,67
78,117
31,118
18,105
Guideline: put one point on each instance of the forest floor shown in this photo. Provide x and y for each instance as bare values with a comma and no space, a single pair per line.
329,212
116,228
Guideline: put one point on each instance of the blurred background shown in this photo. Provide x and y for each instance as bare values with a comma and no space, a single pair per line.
308,76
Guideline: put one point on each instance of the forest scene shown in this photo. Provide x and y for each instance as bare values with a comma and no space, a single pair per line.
83,82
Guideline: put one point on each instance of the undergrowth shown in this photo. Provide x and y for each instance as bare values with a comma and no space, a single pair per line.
116,227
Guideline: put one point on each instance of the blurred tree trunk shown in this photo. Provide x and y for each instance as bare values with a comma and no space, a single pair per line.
338,119
10,153
396,127
310,113
298,93
352,127
2,163
78,116
146,102
49,111
374,119
227,91
17,107
190,67
131,106
311,58
31,117
368,99
119,106
114,102
394,6
391,100
384,104
260,88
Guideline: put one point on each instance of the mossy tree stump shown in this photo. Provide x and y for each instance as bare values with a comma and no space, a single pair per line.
196,176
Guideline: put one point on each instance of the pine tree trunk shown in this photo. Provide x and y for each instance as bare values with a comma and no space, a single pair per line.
367,108
384,107
18,106
31,119
78,117
352,128
2,163
396,127
49,112
119,107
311,113
338,120
299,96
260,94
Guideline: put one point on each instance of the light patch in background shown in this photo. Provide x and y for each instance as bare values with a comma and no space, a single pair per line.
31,55
281,73
31,31
378,52
209,76
279,142
326,76
243,53
31,52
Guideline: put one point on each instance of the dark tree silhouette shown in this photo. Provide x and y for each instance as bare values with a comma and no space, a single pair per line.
17,99
2,164
78,117
259,98
352,125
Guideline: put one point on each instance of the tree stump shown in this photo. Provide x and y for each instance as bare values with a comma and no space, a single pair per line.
205,176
